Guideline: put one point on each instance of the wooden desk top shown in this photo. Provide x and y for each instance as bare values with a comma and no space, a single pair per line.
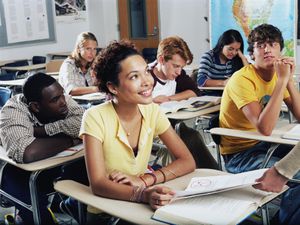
18,82
41,164
98,96
254,135
59,53
52,73
184,115
4,62
134,212
25,68
138,213
211,88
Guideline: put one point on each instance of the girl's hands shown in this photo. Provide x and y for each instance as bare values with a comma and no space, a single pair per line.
158,196
119,177
240,54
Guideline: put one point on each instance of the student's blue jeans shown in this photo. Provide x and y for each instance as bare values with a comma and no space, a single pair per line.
15,182
252,159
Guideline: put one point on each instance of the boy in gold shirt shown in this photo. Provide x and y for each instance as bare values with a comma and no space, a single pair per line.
252,101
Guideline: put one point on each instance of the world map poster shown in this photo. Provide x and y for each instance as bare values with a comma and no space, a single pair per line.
244,15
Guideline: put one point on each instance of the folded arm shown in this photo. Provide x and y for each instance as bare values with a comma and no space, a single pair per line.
42,148
70,125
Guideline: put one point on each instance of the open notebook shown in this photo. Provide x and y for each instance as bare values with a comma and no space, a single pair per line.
293,134
192,104
219,201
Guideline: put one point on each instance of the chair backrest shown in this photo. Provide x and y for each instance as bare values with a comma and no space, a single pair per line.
18,63
214,122
149,54
7,76
194,75
5,94
53,66
195,143
15,64
38,59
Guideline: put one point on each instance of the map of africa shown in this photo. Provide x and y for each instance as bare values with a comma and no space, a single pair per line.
244,15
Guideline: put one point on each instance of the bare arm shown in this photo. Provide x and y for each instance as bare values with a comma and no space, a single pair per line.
215,83
265,119
99,179
104,186
243,58
83,90
42,148
182,95
177,97
184,162
71,124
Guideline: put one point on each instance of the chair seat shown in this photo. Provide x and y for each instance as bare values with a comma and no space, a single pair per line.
5,94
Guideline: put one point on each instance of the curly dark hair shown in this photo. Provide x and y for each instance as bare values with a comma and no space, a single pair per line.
107,63
264,33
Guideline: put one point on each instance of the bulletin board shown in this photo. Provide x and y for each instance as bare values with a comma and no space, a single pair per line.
26,22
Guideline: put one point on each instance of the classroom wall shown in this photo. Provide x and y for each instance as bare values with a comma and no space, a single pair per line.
65,39
177,17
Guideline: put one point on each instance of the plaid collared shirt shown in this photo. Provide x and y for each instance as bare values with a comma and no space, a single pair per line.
71,76
17,125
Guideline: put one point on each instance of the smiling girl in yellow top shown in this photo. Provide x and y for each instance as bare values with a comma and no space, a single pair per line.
118,134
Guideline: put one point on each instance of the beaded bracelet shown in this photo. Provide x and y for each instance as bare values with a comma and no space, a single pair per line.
134,192
154,178
164,175
140,196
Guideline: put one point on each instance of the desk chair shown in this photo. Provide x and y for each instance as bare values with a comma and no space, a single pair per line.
214,122
38,59
149,54
18,74
5,94
195,143
8,76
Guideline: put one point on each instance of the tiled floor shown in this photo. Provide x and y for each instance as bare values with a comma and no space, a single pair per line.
254,220
62,218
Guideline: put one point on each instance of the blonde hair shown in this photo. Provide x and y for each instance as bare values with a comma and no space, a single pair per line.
174,45
81,39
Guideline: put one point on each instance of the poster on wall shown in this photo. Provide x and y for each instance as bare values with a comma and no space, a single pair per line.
244,15
25,20
70,11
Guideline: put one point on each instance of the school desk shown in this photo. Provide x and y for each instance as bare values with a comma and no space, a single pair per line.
136,213
275,138
17,82
54,55
184,115
35,168
28,68
211,88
